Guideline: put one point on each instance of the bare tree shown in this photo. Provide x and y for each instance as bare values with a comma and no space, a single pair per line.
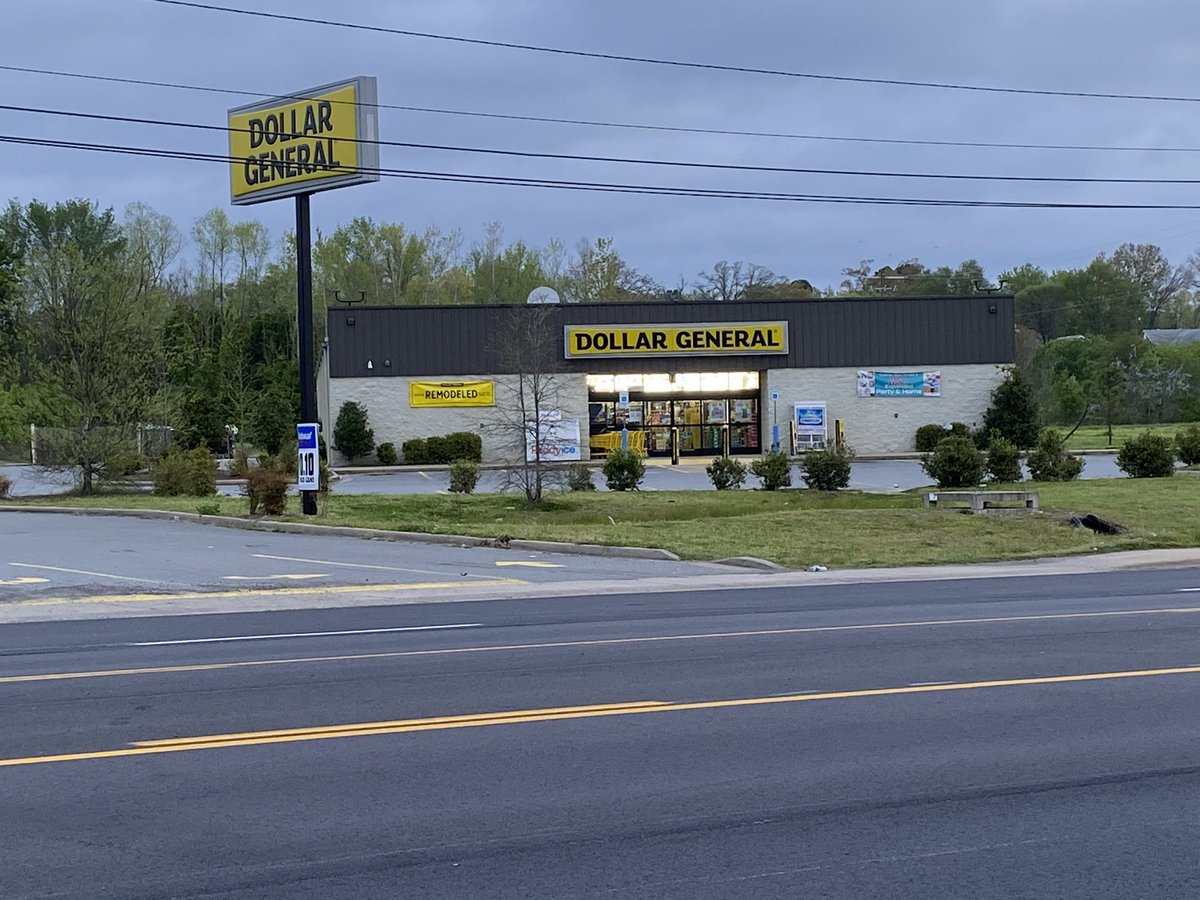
527,344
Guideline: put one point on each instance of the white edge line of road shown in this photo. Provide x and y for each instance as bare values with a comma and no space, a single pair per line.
300,634
86,572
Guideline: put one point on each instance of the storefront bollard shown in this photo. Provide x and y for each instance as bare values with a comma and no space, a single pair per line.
725,440
624,438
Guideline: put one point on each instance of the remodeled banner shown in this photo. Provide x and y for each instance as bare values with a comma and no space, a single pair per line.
899,384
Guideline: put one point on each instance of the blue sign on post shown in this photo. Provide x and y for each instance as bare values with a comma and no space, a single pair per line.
308,464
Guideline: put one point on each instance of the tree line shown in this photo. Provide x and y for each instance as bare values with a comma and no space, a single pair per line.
108,322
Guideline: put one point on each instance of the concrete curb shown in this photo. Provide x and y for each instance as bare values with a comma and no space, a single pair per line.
373,534
751,562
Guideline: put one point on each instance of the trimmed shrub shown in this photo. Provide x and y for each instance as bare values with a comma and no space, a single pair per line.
1003,461
775,470
464,445
1187,445
1013,414
1148,455
386,454
827,469
464,475
267,489
415,452
579,478
240,466
352,434
191,473
1050,461
726,473
5,487
208,509
623,470
954,463
929,436
437,451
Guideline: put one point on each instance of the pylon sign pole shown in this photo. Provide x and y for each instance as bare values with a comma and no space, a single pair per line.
292,146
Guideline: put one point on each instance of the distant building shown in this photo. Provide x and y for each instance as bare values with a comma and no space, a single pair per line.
1172,337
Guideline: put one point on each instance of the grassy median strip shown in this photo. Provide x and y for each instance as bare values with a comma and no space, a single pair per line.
795,528
1095,437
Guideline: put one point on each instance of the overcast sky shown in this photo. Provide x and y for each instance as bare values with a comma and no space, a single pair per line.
1091,45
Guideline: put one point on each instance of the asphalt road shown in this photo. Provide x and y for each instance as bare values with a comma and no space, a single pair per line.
46,556
1024,737
880,475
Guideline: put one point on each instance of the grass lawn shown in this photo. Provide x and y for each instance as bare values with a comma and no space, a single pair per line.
794,528
1095,437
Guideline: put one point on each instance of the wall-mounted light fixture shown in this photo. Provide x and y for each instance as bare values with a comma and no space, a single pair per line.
370,365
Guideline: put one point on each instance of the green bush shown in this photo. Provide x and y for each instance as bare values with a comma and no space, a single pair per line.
386,454
1003,461
239,467
352,434
1050,461
191,473
464,475
415,452
623,470
5,487
827,469
1187,445
775,470
954,463
1148,455
579,478
267,489
437,450
464,445
208,509
726,473
928,436
1013,414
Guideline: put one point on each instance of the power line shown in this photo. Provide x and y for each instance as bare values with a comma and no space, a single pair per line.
600,123
604,187
675,63
572,157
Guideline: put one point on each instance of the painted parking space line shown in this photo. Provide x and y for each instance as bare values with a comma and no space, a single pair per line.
303,634
526,716
297,591
1194,590
85,572
529,563
348,565
292,577
28,579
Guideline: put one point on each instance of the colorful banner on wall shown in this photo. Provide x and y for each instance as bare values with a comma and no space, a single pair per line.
559,440
899,384
452,393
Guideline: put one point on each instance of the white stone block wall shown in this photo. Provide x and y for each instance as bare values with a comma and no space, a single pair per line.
393,418
879,425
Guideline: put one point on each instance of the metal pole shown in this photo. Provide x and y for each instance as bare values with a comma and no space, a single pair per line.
304,320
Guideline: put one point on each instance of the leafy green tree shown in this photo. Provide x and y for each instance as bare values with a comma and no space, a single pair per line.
89,293
1013,414
1157,282
1043,308
352,433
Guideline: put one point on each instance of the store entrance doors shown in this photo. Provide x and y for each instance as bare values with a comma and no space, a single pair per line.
707,409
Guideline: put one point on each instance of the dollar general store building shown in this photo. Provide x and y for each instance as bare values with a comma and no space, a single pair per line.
720,374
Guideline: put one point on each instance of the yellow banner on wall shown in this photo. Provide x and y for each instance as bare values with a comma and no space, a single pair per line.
722,338
452,393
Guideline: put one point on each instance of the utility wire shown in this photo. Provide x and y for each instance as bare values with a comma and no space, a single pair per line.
600,123
675,63
605,187
531,154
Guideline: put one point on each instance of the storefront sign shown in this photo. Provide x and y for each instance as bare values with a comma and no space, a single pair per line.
452,393
899,384
308,466
724,338
317,139
810,418
559,441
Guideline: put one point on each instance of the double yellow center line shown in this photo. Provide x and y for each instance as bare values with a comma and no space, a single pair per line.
515,717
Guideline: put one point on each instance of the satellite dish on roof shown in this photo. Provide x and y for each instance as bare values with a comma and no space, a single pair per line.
543,294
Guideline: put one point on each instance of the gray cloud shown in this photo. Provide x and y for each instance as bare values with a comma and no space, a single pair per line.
1101,45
